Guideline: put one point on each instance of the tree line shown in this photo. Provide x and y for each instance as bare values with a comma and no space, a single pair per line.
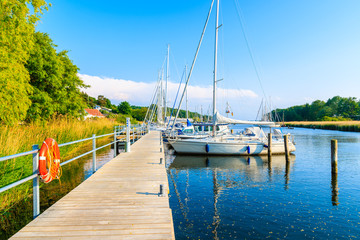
334,109
124,109
120,111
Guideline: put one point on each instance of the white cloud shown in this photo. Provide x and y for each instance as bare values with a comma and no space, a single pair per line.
140,93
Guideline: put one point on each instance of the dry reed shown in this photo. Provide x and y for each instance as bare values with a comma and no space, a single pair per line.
17,139
350,126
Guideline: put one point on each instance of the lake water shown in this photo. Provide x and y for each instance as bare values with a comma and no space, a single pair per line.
241,198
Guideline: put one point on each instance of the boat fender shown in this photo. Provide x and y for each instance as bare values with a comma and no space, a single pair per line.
207,148
266,146
248,149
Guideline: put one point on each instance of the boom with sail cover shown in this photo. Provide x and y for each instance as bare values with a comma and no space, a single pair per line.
222,119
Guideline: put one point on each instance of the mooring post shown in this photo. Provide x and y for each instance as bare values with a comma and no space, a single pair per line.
115,139
36,182
161,192
161,160
269,145
161,145
94,152
334,153
127,145
286,145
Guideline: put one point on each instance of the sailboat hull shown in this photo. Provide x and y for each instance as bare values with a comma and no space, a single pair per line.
246,148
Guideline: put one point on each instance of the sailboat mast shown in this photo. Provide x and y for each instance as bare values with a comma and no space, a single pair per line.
159,102
215,66
193,64
187,110
167,79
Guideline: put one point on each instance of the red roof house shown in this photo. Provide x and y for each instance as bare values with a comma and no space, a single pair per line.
91,113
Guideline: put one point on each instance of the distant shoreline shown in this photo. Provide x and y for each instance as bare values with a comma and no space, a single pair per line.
348,126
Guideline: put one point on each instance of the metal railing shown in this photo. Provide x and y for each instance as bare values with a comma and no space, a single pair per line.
136,131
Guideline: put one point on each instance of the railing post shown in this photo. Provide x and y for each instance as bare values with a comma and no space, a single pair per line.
94,152
127,135
132,134
36,183
136,133
115,148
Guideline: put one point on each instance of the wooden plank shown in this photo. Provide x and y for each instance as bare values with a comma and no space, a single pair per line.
120,201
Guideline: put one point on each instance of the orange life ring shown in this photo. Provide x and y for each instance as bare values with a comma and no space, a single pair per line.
49,156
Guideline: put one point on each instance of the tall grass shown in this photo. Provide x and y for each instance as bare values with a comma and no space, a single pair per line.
17,139
350,126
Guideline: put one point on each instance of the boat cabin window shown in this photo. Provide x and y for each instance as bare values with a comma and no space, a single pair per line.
188,131
209,128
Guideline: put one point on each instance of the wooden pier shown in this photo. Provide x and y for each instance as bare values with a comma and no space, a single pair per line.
120,201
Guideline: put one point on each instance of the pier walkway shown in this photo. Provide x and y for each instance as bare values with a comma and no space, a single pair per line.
120,201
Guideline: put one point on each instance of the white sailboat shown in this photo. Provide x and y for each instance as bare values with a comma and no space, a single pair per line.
254,143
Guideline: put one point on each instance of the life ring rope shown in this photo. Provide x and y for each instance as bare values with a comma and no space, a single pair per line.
49,161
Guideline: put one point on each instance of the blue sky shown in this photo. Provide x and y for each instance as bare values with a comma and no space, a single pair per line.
303,49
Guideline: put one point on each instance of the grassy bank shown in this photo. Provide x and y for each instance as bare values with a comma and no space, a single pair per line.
350,126
20,138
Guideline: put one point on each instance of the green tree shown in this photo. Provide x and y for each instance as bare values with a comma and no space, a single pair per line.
334,104
56,86
348,107
139,113
17,26
315,109
326,111
124,108
90,101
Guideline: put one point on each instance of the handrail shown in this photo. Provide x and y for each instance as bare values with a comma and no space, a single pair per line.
14,184
17,155
35,153
60,145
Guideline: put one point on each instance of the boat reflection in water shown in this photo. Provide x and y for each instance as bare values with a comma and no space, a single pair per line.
211,184
252,165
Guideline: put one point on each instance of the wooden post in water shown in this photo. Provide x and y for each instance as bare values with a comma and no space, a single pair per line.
286,145
334,151
269,145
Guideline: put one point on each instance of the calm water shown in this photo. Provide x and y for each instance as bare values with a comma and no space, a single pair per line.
241,198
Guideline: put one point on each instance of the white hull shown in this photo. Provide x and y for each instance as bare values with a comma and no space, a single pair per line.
245,148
